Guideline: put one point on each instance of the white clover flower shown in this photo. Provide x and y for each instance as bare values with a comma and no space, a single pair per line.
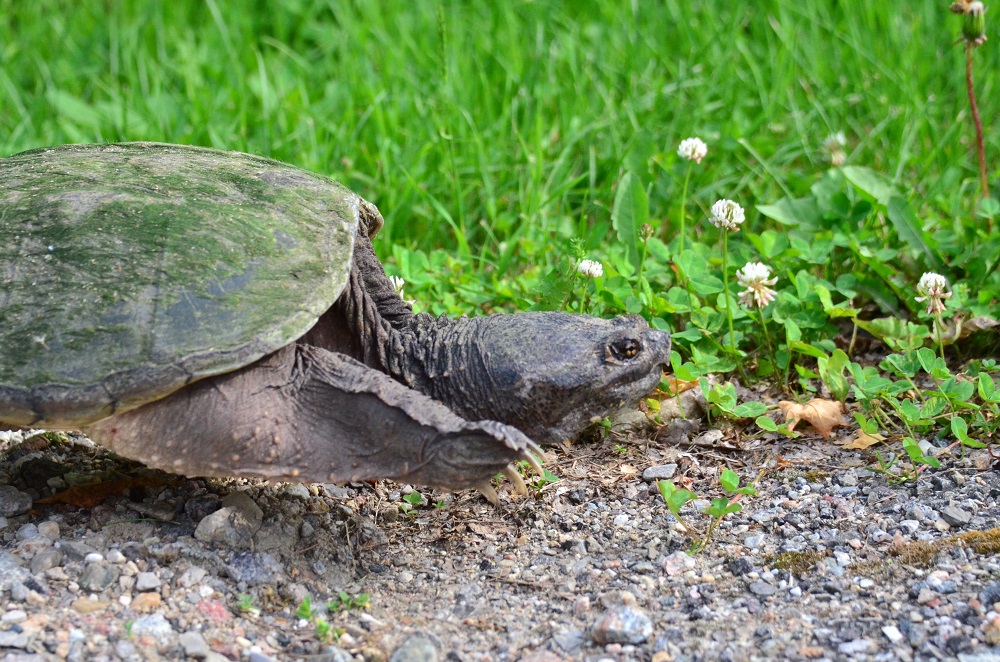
835,141
692,149
590,268
397,284
932,288
755,277
727,214
835,144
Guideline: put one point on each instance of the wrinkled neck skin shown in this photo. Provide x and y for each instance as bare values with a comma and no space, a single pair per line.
431,355
548,374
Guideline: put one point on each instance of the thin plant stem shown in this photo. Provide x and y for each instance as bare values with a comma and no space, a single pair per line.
940,325
680,245
770,349
725,285
684,195
980,144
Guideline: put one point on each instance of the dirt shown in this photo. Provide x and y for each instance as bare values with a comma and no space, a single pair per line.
830,561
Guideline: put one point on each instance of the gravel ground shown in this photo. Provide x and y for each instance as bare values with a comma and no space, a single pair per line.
104,560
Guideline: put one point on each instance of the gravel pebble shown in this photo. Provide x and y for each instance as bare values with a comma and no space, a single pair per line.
622,624
955,516
416,648
659,472
97,577
13,501
154,625
583,570
147,581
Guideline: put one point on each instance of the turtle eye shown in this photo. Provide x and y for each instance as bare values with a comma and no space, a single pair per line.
624,349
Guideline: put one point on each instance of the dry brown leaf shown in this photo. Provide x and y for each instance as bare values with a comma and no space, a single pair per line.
864,440
88,496
824,415
783,463
628,470
677,386
957,328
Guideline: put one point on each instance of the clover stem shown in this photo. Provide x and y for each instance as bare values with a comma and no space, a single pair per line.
939,325
770,349
684,195
725,285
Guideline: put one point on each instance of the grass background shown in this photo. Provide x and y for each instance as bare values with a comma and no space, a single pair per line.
498,131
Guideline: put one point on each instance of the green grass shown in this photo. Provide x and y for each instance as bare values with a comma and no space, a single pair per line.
495,129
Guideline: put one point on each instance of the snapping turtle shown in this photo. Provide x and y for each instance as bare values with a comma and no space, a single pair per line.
213,313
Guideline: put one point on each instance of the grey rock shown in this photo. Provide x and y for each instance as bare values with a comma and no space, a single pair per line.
97,577
11,572
569,641
192,576
296,490
13,639
416,648
659,472
955,516
259,657
194,645
762,589
27,532
49,529
254,569
709,438
147,581
226,527
158,510
125,649
75,551
19,592
981,655
622,624
154,625
242,502
855,647
754,541
334,654
13,501
847,479
46,560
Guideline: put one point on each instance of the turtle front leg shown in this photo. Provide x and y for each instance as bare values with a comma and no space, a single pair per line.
305,414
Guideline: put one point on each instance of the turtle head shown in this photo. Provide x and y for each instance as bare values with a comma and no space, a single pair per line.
551,375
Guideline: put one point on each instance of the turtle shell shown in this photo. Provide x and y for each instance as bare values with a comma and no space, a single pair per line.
130,270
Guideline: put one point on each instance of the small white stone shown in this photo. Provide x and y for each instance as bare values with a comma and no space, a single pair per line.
93,557
892,633
115,556
147,581
14,616
49,529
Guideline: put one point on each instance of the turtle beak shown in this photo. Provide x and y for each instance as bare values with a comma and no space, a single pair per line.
658,342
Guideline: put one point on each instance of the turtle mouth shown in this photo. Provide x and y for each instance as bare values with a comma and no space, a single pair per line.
624,384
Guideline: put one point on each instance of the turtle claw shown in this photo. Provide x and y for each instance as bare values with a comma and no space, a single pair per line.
532,459
515,478
487,490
